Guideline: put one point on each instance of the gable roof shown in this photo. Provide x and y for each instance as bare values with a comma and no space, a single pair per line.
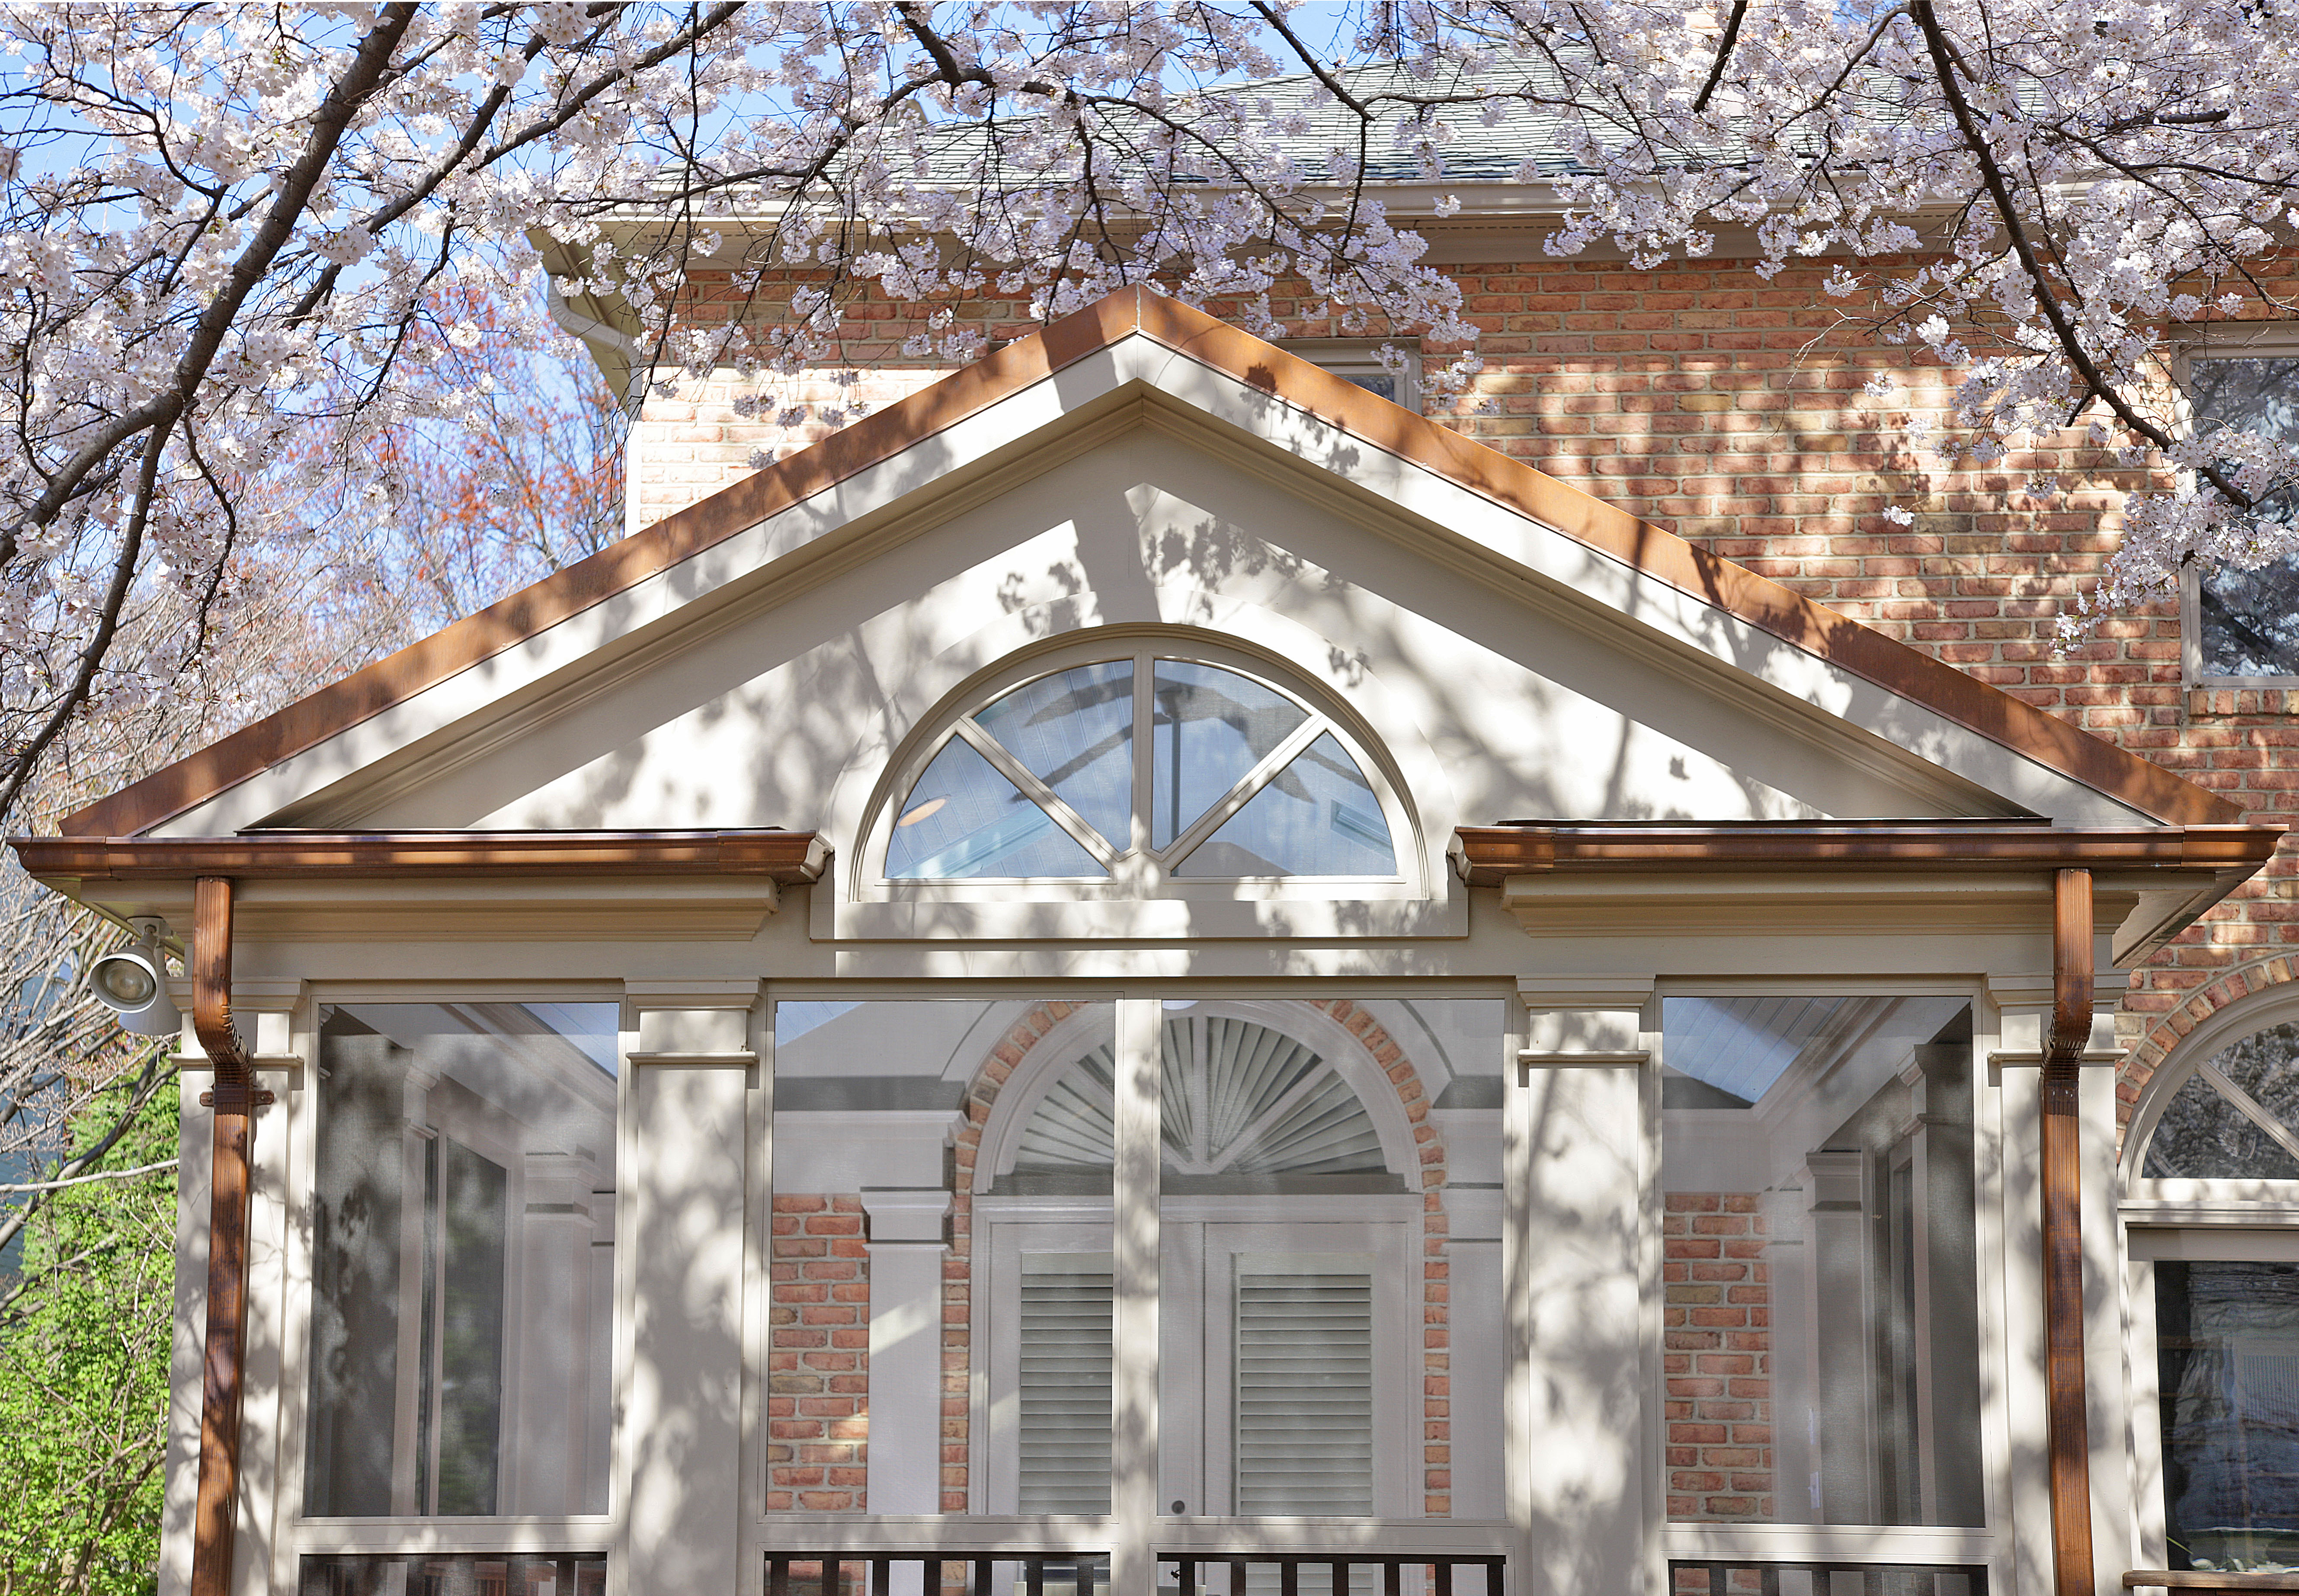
1653,553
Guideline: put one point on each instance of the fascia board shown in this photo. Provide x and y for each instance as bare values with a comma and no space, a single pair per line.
857,517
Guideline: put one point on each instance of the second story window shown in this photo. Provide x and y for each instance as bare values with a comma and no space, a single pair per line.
2243,624
1142,768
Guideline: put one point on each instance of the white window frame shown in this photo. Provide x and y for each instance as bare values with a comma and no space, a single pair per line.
1135,877
1705,1541
2235,1221
500,1534
2268,341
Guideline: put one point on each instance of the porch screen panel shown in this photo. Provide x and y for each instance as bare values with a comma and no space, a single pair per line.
938,1327
1820,1317
463,1260
1330,1270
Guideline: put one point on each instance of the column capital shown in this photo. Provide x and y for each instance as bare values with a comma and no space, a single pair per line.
901,1215
692,1021
1585,1021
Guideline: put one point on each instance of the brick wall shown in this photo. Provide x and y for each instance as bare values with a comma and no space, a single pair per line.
1716,1357
1734,412
818,1354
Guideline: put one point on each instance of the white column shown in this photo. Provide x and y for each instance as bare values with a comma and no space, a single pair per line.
1134,1261
905,1448
1583,1173
681,1217
906,1260
2024,1010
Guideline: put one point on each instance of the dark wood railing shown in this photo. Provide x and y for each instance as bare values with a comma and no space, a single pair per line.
872,1574
1341,1572
455,1574
1689,1577
1073,1574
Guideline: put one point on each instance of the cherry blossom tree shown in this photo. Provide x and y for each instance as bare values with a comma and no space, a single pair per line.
226,231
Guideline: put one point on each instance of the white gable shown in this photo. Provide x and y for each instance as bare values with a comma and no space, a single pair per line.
1505,669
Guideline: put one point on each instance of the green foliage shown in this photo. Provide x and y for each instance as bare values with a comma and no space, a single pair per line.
84,1349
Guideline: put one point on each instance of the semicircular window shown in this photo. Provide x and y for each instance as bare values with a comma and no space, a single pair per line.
1241,1103
1165,766
2237,1117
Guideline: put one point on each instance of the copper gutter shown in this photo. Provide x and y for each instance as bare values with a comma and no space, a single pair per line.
215,1513
791,857
2060,1155
1487,855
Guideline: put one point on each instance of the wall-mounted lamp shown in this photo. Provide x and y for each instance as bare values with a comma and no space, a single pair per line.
133,983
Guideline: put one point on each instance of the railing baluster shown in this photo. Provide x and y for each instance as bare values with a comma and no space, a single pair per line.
1340,1577
1288,1577
1444,1577
1034,1575
982,1571
777,1576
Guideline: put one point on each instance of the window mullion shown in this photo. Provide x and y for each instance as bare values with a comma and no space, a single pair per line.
1134,1258
1253,781
1037,792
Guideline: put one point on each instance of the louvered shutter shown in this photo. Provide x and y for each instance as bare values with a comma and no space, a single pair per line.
1065,1392
1304,1393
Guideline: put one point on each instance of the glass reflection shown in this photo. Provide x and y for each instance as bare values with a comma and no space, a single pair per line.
1209,728
2233,1119
2227,1338
963,820
1074,732
1317,817
462,1257
2250,617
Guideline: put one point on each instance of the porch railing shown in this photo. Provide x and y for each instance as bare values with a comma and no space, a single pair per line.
872,1574
453,1573
1071,1573
1689,1577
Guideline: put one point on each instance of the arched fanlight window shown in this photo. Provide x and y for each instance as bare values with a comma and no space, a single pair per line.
1145,766
1239,1099
2237,1116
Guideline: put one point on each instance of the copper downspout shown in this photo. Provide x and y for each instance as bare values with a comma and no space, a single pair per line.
2059,1153
215,1515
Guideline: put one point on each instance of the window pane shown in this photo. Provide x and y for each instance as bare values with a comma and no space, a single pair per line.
1330,1248
2227,1336
1074,732
963,820
940,1323
1317,817
2250,617
463,1260
1821,1341
2203,1136
1208,727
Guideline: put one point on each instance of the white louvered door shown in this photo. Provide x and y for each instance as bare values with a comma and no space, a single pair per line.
1062,1421
1303,1386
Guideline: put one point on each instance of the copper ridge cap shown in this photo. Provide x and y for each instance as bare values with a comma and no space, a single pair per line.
1649,549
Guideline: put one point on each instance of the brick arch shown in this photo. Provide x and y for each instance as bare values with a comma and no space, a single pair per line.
2162,1034
1008,1053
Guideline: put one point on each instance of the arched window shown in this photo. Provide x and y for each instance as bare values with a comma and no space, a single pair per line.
2235,1118
2212,1212
1137,769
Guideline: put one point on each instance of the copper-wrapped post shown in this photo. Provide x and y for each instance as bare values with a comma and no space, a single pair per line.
2059,1153
215,1515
